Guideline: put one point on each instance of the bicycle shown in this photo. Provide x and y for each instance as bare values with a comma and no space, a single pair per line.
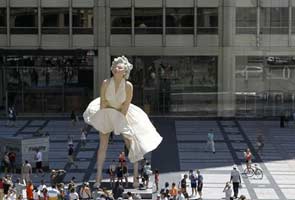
254,170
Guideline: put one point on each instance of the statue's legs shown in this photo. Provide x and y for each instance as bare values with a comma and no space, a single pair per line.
101,154
135,166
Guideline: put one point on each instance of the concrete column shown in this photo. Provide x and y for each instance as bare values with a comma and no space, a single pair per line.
195,22
61,20
164,23
258,24
226,68
8,22
132,23
39,24
290,24
102,61
70,24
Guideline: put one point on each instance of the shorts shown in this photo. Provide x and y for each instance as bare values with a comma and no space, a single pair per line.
200,187
193,185
39,165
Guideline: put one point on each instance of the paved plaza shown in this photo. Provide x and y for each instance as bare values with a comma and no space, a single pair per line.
183,148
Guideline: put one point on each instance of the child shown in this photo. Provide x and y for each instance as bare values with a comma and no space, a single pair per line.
228,191
157,179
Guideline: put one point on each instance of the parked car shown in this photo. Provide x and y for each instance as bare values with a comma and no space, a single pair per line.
250,71
276,60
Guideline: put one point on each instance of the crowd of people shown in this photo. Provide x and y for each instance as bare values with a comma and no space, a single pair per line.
118,175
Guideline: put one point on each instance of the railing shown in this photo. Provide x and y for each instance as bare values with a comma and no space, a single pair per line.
148,30
180,30
207,30
3,30
121,30
24,30
82,30
246,30
274,30
55,30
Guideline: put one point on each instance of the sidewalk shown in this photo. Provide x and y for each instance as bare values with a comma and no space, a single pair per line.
183,148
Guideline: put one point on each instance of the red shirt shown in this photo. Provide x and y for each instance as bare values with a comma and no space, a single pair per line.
30,191
1,185
248,156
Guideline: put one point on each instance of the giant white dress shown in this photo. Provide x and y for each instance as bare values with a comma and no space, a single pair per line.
136,125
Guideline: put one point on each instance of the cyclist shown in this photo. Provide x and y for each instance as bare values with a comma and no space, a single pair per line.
248,158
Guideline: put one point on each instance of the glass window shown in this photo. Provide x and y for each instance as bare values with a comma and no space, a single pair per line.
148,20
82,21
264,85
24,20
274,20
55,21
207,21
246,20
180,21
175,84
120,21
2,21
49,83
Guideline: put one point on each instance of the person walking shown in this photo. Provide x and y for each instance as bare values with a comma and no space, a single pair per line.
118,190
12,159
183,186
173,191
6,162
147,171
210,141
71,156
70,140
85,192
193,178
74,118
39,159
83,138
200,179
235,179
26,171
157,179
112,173
260,142
29,190
19,188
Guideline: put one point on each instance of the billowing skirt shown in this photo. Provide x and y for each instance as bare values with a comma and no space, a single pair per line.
136,126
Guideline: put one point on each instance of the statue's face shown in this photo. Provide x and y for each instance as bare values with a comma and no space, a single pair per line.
119,70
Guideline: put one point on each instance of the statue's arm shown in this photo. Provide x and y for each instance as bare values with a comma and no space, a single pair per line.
103,101
129,95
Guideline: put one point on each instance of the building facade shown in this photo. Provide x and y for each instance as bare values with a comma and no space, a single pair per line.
191,57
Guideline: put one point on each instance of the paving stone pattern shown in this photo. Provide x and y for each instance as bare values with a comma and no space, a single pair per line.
188,138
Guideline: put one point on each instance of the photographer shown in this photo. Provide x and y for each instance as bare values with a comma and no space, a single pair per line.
56,176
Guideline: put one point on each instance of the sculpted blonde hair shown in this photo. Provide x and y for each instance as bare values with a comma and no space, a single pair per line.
127,65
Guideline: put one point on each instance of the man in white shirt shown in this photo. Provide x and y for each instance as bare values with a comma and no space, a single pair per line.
19,188
73,195
39,159
42,185
26,171
235,178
